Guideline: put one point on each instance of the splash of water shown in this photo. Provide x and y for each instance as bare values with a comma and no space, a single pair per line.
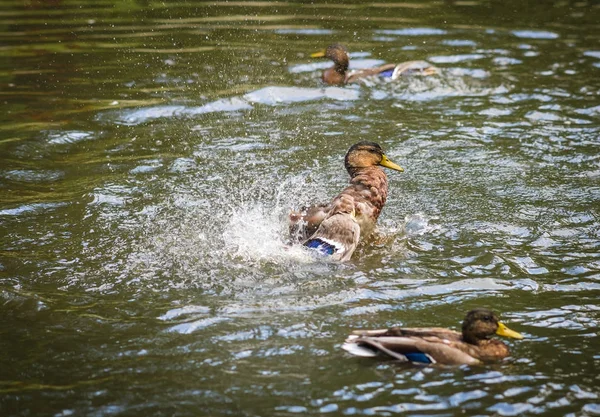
257,232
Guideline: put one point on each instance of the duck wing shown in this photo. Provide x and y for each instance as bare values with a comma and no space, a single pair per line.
339,233
394,71
355,76
437,332
305,222
429,349
337,236
413,68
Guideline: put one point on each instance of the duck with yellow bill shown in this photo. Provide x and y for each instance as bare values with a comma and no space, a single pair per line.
336,228
471,346
340,74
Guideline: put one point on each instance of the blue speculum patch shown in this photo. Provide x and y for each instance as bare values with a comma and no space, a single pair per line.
386,73
323,247
418,357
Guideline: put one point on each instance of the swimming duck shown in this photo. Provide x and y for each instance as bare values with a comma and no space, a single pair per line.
336,228
437,345
338,74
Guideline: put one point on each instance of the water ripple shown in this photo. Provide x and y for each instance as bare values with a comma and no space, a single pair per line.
452,59
148,169
413,32
535,34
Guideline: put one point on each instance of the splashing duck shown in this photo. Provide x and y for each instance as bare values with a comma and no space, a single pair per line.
338,74
437,345
335,229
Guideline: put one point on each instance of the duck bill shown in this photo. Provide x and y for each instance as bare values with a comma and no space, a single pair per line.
385,162
320,54
506,332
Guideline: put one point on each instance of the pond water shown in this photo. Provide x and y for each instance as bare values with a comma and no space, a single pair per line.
150,152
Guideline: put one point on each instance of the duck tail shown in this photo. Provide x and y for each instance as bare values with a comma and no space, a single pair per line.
368,347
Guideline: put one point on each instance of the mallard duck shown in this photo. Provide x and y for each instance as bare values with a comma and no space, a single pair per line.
335,228
437,345
339,74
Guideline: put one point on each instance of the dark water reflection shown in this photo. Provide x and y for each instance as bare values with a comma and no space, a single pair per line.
149,153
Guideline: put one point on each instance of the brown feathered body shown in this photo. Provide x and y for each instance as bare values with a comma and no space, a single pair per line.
339,232
353,213
368,190
339,73
443,345
438,345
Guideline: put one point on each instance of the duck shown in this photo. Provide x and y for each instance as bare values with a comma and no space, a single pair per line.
338,74
335,228
471,346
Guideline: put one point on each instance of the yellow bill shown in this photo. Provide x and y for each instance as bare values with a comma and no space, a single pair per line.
385,162
506,332
319,54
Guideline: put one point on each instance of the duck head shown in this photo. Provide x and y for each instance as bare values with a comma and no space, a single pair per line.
341,61
367,154
481,323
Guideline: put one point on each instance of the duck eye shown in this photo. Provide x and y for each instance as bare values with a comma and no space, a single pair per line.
488,318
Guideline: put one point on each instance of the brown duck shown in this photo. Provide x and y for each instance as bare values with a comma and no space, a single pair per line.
339,74
336,228
437,345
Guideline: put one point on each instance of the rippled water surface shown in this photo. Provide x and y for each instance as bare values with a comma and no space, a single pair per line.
149,155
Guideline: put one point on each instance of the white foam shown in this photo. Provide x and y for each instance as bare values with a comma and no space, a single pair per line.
256,232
